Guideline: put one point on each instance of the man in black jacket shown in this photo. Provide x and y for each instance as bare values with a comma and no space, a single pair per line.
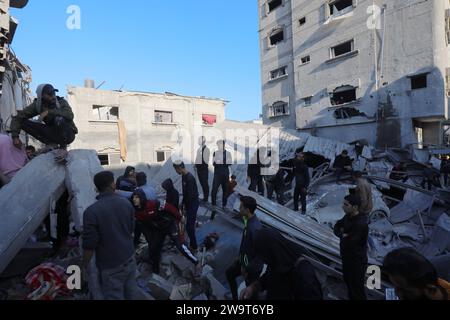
430,177
247,265
222,161
201,166
190,202
353,230
254,174
342,164
301,173
445,169
289,275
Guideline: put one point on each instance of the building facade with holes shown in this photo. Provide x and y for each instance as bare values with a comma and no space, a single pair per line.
143,123
375,70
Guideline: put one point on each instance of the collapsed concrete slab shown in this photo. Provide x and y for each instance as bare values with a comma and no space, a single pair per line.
312,235
26,201
81,168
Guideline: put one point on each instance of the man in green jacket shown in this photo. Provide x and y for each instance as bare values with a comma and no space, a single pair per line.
55,125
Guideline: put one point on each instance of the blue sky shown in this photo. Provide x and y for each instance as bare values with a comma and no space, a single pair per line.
191,47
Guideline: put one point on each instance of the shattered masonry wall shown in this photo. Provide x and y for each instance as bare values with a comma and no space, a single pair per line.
379,69
144,137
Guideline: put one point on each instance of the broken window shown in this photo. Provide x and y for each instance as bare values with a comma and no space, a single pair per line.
338,7
276,37
342,95
307,101
342,49
104,159
302,21
209,119
278,73
160,156
306,59
163,117
109,159
419,81
105,113
273,4
163,155
346,112
279,108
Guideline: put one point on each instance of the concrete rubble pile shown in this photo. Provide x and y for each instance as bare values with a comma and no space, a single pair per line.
179,279
29,198
403,215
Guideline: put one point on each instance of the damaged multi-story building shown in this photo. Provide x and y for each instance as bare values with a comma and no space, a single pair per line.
357,69
15,77
137,127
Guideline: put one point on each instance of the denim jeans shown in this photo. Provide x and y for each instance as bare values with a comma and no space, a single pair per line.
120,283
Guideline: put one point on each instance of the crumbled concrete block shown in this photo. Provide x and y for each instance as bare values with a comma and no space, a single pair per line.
183,292
159,287
81,168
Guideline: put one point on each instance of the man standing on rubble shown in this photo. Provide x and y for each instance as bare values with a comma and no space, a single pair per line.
353,230
254,174
445,169
364,191
342,164
190,202
430,177
55,127
289,275
201,166
301,172
108,232
222,161
247,265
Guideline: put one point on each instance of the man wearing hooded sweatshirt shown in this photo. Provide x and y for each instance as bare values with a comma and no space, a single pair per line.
157,223
127,182
289,276
172,194
55,126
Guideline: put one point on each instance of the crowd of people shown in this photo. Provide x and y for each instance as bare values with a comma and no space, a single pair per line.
129,208
271,266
